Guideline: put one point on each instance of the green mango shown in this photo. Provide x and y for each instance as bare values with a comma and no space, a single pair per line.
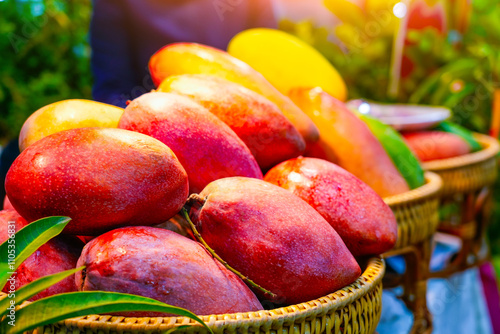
460,131
405,160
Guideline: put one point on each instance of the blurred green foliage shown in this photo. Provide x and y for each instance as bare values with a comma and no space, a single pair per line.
45,57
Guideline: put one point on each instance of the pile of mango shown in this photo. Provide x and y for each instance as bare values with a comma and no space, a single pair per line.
279,178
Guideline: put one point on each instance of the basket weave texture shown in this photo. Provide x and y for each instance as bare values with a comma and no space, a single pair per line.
353,309
417,211
466,200
468,172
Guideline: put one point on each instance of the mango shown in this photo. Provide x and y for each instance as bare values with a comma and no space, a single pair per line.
354,147
394,144
365,223
459,130
206,147
286,61
101,178
274,238
191,58
58,254
165,266
257,121
436,145
65,115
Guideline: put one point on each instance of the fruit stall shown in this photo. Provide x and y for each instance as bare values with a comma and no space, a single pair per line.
271,166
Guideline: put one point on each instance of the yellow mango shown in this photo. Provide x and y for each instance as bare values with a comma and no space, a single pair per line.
65,115
286,61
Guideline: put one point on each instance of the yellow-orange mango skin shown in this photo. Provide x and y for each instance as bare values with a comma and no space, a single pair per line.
65,115
349,142
192,58
269,135
360,216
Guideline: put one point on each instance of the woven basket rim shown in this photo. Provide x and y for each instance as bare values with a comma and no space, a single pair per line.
491,148
368,281
431,188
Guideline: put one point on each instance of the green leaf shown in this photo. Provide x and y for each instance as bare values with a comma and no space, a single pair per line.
68,305
25,242
31,289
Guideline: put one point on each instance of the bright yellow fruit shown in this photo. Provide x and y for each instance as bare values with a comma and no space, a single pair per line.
286,61
65,115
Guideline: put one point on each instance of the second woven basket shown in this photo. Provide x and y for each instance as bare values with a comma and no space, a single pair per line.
417,215
465,201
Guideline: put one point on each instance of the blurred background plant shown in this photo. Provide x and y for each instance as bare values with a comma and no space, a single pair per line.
45,57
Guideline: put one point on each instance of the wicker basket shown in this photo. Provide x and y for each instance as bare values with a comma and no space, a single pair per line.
468,172
417,212
467,189
353,309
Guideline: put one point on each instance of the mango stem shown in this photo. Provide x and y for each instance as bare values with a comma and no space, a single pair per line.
224,263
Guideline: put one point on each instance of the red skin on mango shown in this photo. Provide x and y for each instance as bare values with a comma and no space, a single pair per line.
58,254
363,220
274,238
192,58
269,135
163,265
101,178
436,145
206,147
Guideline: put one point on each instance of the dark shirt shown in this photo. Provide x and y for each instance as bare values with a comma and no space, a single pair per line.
124,34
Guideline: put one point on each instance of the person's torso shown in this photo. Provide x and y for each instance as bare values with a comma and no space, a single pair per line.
155,23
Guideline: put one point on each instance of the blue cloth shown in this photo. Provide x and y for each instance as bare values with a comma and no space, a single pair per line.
124,34
457,303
